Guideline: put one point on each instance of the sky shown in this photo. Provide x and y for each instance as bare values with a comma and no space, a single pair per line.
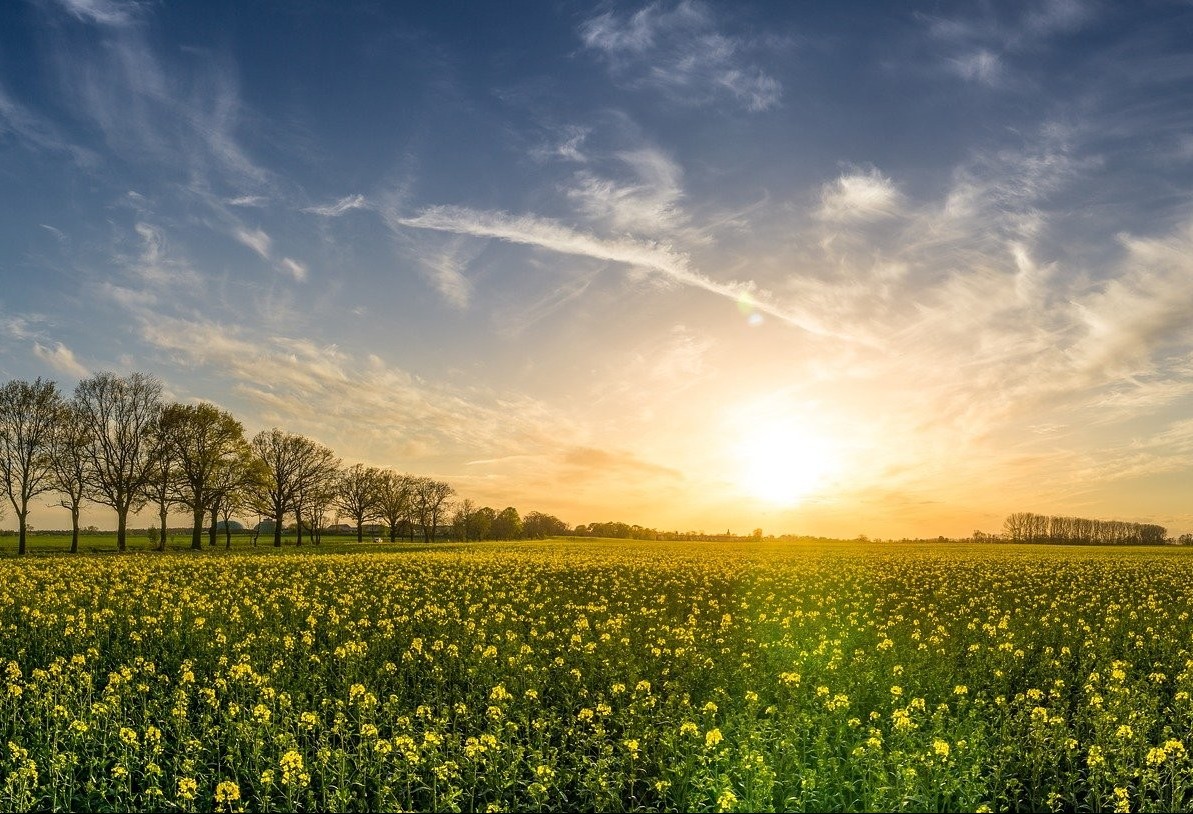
820,268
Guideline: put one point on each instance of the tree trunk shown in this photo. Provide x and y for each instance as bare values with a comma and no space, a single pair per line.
360,531
74,529
227,536
22,517
277,531
393,532
122,529
298,520
197,528
161,543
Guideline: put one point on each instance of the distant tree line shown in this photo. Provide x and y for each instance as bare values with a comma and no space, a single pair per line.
1026,527
115,442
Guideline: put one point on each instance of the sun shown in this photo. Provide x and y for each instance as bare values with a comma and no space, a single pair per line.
782,463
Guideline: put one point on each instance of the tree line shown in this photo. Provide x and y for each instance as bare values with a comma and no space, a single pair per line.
115,442
1026,527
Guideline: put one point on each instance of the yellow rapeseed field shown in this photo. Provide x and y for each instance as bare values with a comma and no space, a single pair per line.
599,675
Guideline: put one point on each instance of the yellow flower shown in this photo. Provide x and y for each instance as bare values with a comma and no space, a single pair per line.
187,788
712,737
227,792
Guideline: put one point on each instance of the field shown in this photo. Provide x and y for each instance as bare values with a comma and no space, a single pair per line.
599,675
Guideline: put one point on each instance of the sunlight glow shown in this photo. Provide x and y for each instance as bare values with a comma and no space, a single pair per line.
781,463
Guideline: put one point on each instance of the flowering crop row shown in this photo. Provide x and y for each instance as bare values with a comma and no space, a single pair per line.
593,675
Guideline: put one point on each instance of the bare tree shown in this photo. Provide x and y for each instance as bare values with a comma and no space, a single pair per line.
162,488
68,458
395,492
205,441
288,464
120,413
432,500
318,487
462,519
316,499
232,487
28,412
359,495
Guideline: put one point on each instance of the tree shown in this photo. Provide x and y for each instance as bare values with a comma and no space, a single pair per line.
507,525
539,526
465,509
288,464
27,416
431,502
68,459
395,501
480,525
119,413
315,499
232,489
205,440
162,488
359,495
318,480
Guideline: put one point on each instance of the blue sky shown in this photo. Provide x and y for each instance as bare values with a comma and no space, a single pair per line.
915,266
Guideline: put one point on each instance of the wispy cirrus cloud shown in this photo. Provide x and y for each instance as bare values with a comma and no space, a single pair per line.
39,133
183,116
647,205
115,13
340,207
248,200
988,38
157,267
659,259
445,268
296,269
980,66
391,414
678,51
61,358
859,196
255,239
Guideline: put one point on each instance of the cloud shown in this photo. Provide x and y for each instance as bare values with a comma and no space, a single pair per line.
1146,308
257,240
37,132
859,196
445,269
589,462
248,200
659,259
340,207
297,270
679,51
648,205
981,66
566,147
985,41
61,358
55,231
359,404
103,12
155,267
152,109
